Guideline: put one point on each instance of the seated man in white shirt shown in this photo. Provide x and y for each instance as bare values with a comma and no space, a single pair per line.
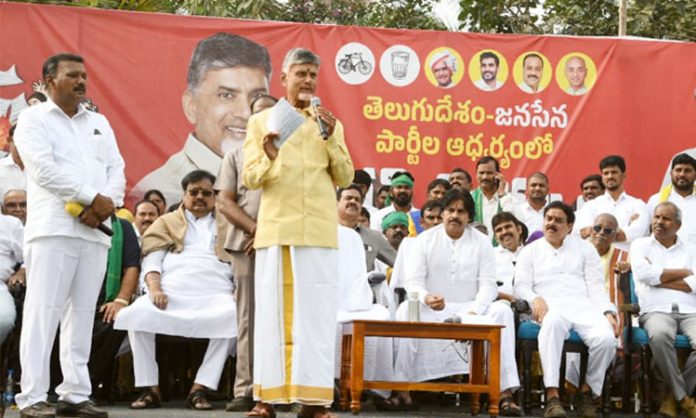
664,264
189,292
511,235
11,237
561,278
452,270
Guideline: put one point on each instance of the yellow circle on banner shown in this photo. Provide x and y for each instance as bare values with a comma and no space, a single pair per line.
475,69
518,72
576,73
452,59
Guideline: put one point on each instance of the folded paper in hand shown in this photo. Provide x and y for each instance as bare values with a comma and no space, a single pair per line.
285,120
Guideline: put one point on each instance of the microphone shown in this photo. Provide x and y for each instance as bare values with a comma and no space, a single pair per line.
316,102
75,209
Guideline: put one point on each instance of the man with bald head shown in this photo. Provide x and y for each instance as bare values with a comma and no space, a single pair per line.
14,203
665,264
576,72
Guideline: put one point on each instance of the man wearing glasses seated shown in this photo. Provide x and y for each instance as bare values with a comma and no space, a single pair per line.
189,292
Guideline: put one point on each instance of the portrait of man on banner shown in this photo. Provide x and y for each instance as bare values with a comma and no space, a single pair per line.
225,74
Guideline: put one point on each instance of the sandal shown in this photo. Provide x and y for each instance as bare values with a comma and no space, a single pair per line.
198,400
312,411
147,400
507,407
263,410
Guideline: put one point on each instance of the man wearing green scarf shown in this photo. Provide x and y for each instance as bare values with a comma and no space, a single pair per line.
399,200
395,228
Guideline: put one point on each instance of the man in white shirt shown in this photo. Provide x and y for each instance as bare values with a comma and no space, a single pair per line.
10,257
225,74
189,292
511,235
70,155
561,278
401,195
14,203
12,175
629,211
146,213
531,211
682,193
488,197
452,270
490,63
665,264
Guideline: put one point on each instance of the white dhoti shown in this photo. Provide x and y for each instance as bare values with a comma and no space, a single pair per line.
418,360
199,290
64,276
594,330
295,338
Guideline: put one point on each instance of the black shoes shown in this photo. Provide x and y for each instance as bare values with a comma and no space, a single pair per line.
38,410
86,409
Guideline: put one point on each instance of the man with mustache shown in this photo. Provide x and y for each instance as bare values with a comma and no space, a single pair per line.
401,195
451,269
146,213
226,73
631,212
511,235
376,246
14,203
590,187
490,63
70,155
531,211
560,276
460,178
489,197
682,193
576,72
664,265
532,71
178,247
395,228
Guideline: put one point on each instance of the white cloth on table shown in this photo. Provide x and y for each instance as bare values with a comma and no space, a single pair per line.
571,281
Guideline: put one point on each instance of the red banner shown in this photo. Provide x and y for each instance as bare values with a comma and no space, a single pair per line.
424,101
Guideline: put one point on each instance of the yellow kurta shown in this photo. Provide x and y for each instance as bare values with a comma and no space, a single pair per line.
298,205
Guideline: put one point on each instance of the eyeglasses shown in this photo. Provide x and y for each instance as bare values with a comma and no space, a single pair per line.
598,229
196,192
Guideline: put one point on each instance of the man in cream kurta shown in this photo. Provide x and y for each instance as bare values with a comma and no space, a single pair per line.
296,241
561,278
452,270
70,155
189,291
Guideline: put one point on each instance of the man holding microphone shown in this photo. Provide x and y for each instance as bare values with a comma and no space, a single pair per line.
71,156
296,243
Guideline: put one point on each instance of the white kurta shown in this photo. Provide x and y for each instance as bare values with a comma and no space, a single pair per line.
687,231
505,268
463,271
571,281
532,218
355,302
198,286
648,259
630,212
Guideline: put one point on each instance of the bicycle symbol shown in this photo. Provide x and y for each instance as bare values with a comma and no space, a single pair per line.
354,62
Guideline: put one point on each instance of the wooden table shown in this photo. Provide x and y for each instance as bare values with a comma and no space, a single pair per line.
352,362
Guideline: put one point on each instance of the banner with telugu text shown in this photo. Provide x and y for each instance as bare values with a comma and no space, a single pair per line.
425,101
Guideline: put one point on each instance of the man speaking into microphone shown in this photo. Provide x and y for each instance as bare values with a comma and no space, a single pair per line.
296,245
72,159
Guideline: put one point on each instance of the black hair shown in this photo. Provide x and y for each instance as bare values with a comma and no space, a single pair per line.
430,205
613,161
454,195
488,159
50,67
439,182
195,176
562,206
143,201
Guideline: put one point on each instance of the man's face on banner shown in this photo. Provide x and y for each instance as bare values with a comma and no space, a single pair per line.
489,69
443,73
220,107
532,70
576,72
